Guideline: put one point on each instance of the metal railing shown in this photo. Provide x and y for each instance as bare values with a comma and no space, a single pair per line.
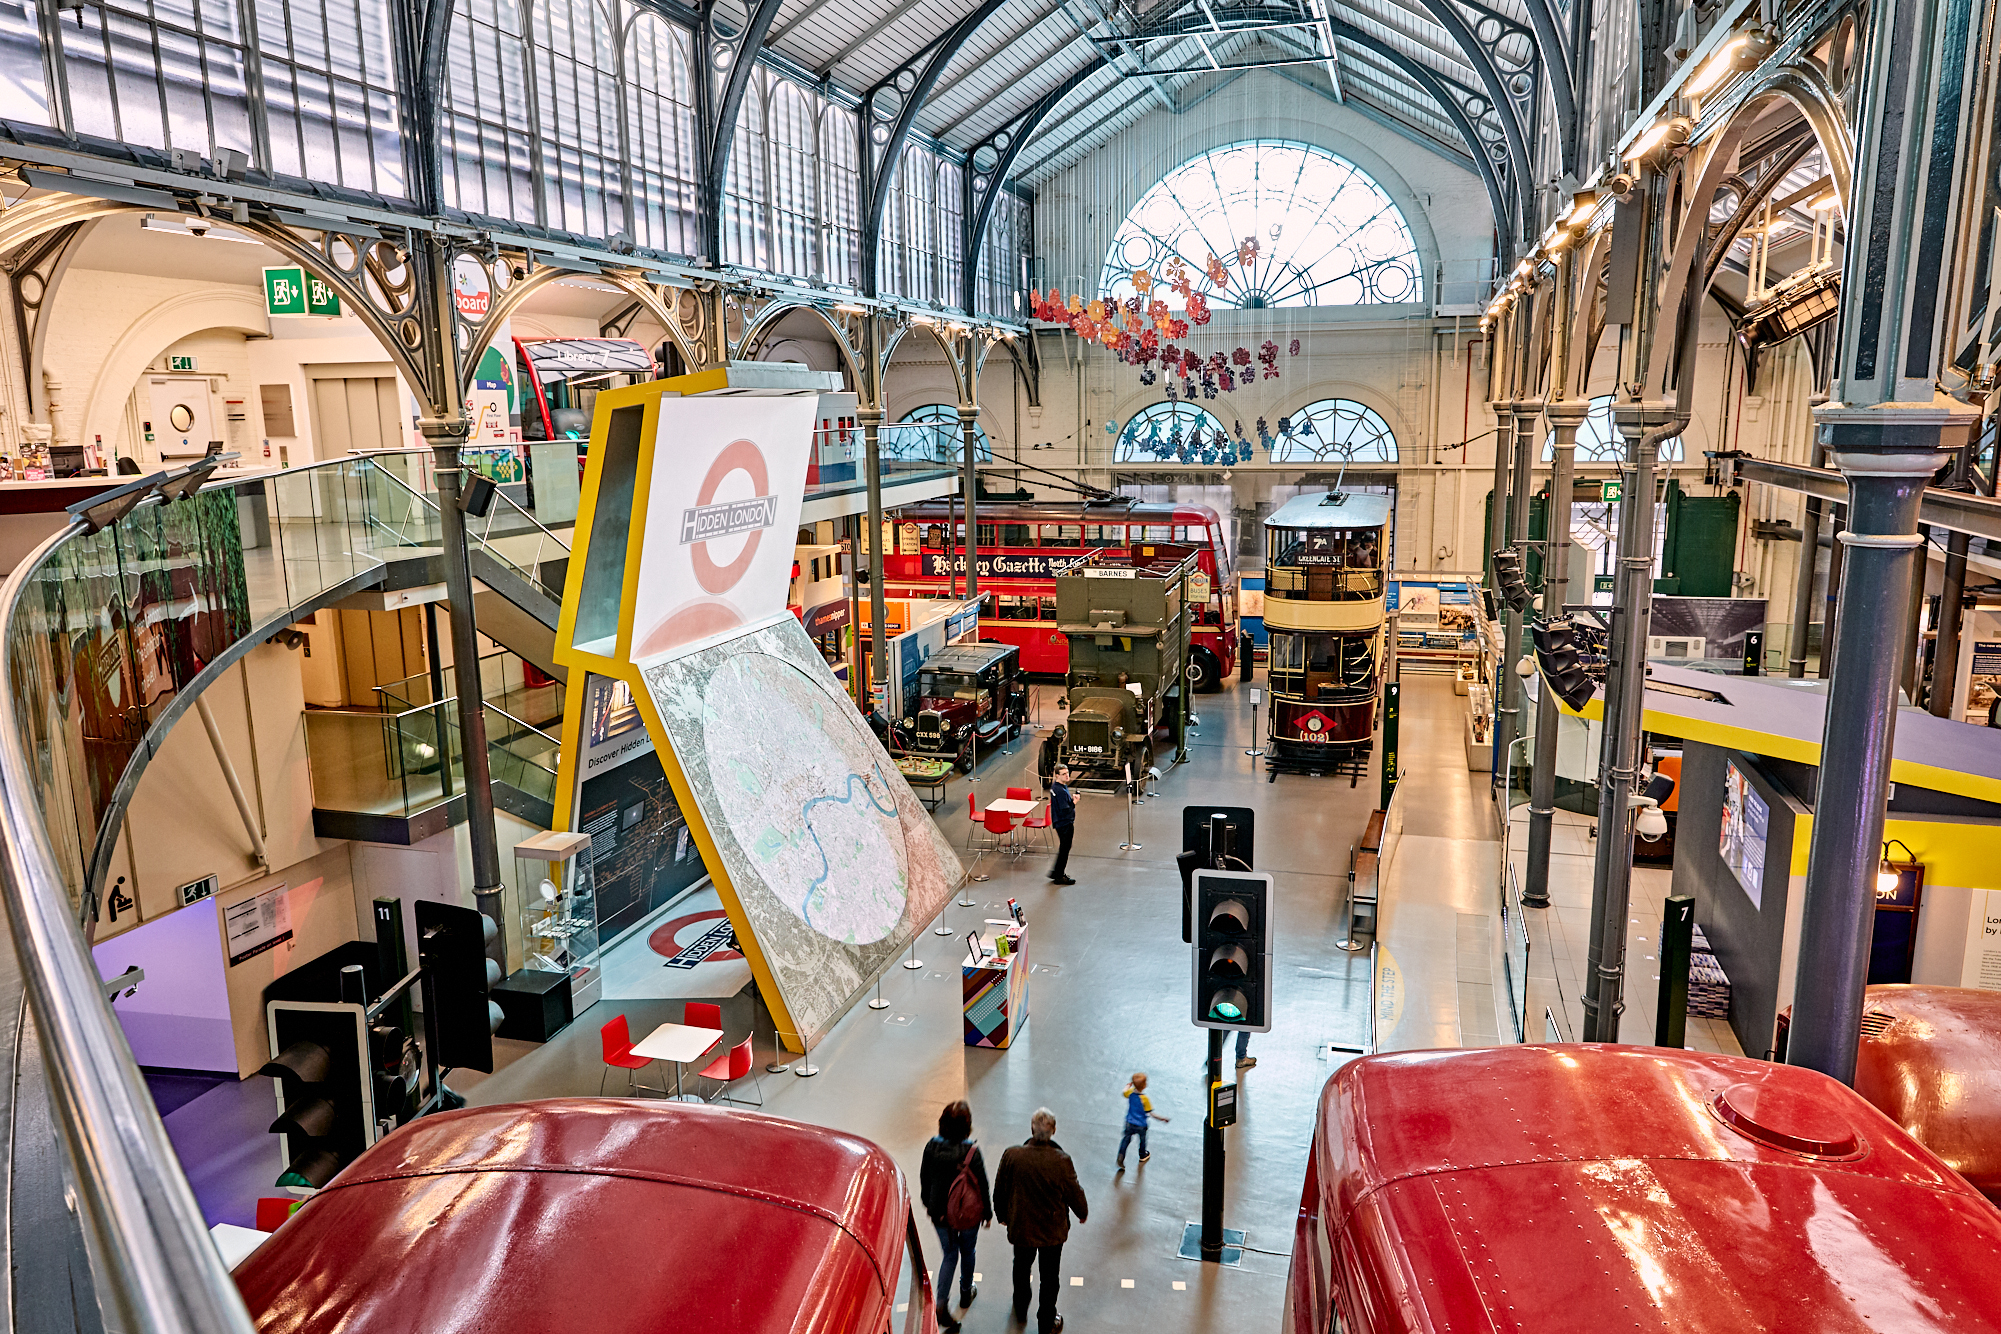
313,535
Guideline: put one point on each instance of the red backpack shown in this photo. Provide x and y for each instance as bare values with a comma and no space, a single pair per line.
964,1208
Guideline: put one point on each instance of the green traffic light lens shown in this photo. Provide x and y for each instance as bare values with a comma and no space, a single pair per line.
1229,1006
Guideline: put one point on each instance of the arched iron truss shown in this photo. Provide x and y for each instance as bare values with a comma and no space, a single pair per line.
1452,99
991,162
888,112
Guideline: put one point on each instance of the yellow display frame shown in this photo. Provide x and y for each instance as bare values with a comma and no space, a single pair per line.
618,666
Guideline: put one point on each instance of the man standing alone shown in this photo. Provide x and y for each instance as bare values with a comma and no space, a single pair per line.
1063,818
1035,1192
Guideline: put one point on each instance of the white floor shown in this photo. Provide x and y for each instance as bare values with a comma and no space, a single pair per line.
635,969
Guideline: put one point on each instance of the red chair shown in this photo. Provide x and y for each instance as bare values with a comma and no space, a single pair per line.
973,810
999,829
700,1014
273,1210
1040,824
617,1039
730,1067
1020,794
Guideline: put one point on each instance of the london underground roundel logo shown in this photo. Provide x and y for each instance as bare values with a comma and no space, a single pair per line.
708,521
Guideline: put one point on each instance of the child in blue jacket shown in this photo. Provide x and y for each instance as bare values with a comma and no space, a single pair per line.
1139,1108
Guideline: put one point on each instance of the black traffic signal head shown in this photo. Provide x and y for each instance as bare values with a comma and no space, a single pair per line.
1232,951
1562,663
1508,575
451,947
322,1071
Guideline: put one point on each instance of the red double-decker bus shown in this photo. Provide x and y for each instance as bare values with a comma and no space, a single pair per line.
1021,550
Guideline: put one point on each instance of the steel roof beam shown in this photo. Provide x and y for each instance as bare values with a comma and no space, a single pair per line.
983,188
879,160
720,107
1434,84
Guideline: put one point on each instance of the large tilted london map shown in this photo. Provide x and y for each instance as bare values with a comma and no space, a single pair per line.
832,856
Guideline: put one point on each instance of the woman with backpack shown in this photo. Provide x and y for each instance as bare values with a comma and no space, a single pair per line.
953,1186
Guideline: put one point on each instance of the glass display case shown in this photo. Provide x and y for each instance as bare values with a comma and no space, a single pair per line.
556,905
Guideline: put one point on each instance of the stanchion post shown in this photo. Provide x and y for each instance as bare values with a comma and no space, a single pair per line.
1129,845
877,1002
1257,707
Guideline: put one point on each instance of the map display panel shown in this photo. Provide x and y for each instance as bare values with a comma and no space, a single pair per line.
833,859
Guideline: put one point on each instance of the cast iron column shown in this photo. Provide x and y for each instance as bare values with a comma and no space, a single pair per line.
1945,654
871,424
1508,726
1888,453
1497,508
1565,416
1808,573
444,434
1642,424
969,418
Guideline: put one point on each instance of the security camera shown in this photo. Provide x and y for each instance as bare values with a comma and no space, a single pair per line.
199,226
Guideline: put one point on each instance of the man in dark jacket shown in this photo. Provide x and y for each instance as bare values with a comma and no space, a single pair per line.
1062,818
1035,1192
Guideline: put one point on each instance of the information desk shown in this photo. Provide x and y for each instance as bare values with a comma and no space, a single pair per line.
996,991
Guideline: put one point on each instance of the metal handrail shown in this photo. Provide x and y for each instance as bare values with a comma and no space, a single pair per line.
154,1268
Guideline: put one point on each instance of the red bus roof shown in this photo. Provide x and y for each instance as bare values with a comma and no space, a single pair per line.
1076,511
589,1214
1930,1060
1590,1188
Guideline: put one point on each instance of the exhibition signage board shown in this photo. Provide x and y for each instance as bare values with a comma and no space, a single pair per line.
825,861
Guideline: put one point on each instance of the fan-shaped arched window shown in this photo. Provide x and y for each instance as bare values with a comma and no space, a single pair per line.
1599,441
1334,430
1326,234
1176,432
941,438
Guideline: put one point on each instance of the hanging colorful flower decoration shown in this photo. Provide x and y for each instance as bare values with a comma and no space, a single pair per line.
1141,330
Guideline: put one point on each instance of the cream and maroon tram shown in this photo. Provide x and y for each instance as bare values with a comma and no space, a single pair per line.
1324,563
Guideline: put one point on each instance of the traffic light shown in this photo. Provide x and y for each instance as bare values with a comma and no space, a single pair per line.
451,949
1232,954
1562,664
325,1088
1508,575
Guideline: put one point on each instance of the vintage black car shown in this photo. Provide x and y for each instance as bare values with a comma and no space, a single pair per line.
964,691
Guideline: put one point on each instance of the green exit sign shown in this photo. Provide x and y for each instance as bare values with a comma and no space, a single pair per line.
180,363
1611,492
292,291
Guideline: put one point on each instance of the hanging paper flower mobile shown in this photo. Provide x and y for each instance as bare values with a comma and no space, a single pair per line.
1242,356
1218,274
1295,347
1247,253
1142,281
1198,308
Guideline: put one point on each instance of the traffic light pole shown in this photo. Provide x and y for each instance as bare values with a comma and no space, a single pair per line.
1212,1157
